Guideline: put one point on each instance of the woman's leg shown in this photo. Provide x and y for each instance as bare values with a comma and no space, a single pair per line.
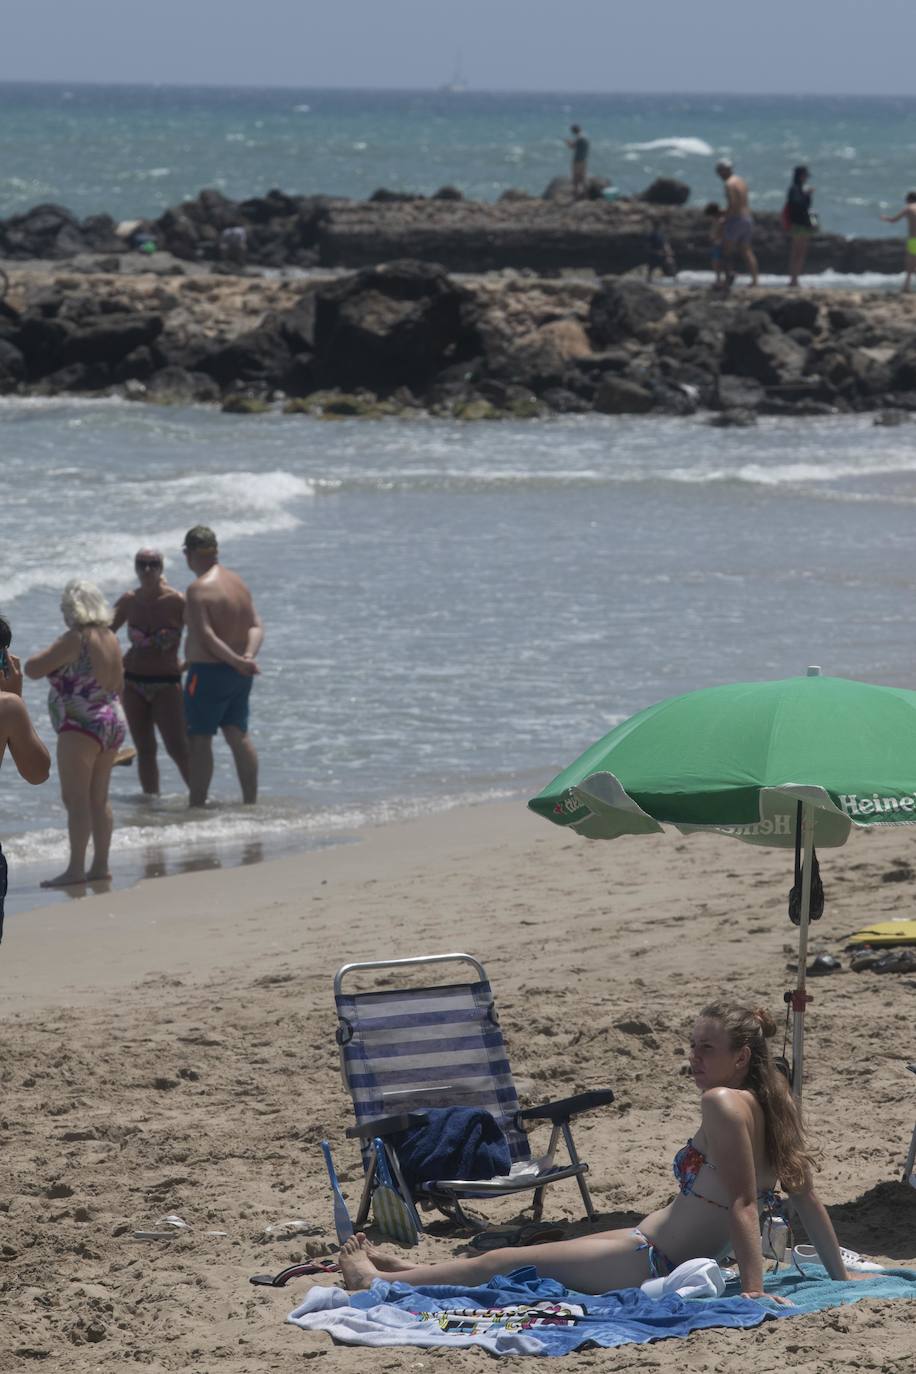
100,811
168,716
76,756
139,715
588,1264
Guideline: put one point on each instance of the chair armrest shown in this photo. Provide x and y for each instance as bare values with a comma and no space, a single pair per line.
385,1125
565,1107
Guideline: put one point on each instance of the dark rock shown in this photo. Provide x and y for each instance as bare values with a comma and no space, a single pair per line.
76,376
514,194
617,396
389,326
110,339
902,367
12,366
621,310
754,347
177,386
41,341
803,337
138,365
840,318
733,419
301,376
773,405
263,209
447,193
666,191
789,312
259,357
565,402
383,196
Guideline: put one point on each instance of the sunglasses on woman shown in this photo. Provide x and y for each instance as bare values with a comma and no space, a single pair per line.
147,565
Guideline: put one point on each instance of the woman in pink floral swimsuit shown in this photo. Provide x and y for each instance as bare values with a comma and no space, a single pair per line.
84,669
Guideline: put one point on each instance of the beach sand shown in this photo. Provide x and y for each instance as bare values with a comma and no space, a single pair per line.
170,1049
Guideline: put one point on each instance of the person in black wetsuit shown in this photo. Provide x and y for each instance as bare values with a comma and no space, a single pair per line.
799,220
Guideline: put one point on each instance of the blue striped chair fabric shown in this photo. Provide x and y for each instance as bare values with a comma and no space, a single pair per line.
406,1049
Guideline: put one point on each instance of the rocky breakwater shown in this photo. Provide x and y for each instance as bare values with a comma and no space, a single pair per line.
540,234
407,336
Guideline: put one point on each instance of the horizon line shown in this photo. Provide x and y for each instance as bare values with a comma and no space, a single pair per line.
444,88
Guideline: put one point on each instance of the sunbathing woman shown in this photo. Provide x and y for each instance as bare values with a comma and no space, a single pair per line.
749,1139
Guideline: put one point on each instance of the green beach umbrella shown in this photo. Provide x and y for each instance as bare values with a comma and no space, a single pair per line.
752,760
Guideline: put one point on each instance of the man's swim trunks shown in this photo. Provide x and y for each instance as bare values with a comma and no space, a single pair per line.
738,229
215,696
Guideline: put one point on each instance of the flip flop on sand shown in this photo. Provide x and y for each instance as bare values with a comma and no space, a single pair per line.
295,1271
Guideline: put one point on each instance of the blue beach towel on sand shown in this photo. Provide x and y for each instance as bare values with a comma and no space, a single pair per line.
523,1314
453,1142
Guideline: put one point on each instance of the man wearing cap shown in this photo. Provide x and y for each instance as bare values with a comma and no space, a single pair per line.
224,636
738,228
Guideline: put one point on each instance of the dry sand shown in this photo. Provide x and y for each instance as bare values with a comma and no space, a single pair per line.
171,1049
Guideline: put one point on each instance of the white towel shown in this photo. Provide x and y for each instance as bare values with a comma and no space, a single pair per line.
329,1309
695,1278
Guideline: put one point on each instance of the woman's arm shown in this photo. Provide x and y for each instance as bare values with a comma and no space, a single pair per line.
16,729
727,1124
63,650
820,1230
122,606
892,219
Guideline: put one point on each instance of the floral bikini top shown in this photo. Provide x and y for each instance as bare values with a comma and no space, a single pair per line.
687,1164
164,639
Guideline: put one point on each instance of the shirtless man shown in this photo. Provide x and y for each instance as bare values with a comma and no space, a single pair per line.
17,731
224,635
738,228
909,255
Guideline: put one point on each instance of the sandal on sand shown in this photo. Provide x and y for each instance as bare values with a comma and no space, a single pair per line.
532,1233
851,1258
295,1271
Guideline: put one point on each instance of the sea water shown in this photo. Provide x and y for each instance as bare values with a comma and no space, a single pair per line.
453,612
132,151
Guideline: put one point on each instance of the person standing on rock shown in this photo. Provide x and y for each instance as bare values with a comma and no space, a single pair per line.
224,636
578,145
799,220
909,253
738,228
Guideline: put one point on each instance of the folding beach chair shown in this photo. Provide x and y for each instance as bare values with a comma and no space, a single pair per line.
909,1176
441,1046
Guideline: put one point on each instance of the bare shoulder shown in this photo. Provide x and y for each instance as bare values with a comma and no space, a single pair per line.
721,1105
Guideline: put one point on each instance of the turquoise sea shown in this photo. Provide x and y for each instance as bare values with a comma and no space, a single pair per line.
134,150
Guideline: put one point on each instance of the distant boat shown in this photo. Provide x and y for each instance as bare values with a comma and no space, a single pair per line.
458,84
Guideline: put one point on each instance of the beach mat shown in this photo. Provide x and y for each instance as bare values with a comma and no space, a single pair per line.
523,1314
885,933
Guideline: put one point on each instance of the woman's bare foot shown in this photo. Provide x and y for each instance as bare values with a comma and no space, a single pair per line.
386,1264
102,876
65,879
355,1265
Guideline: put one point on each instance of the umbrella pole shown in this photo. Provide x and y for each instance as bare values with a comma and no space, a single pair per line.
800,997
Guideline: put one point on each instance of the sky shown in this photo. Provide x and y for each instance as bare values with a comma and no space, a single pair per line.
845,47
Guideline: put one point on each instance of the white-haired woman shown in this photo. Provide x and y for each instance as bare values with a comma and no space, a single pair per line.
84,669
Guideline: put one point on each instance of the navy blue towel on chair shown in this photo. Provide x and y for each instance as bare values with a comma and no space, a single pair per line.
453,1143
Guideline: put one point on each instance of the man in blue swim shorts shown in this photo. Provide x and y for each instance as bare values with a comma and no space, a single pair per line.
224,636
